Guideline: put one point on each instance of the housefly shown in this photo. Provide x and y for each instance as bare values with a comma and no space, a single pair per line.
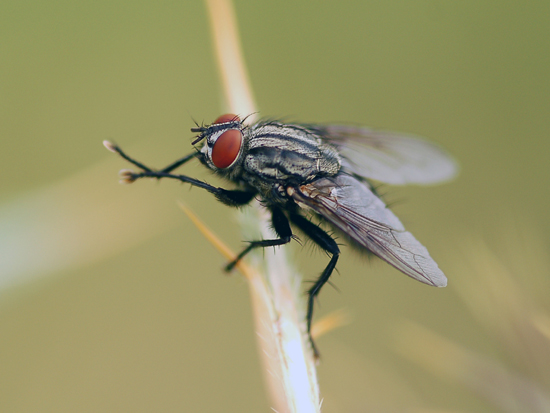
299,169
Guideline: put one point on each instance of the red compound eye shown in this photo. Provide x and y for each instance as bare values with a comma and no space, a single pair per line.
227,147
228,117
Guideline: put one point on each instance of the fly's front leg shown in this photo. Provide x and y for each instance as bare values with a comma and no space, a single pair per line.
229,197
281,227
327,243
114,148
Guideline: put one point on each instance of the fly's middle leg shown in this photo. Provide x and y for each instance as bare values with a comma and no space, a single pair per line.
281,227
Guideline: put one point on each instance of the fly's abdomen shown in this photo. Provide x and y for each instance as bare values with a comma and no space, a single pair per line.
282,152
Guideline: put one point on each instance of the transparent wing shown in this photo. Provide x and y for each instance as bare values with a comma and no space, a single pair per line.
352,207
389,157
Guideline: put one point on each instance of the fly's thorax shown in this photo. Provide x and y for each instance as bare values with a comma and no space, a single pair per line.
288,154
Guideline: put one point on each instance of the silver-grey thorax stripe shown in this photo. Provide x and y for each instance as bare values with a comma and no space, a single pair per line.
283,138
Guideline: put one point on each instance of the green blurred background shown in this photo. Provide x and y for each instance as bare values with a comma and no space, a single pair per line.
110,299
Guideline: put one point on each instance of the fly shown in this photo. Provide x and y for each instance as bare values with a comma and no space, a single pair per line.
326,169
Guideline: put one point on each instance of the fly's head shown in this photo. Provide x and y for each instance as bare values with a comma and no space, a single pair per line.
223,145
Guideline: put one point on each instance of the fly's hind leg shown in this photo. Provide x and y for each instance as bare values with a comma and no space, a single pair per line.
281,227
327,243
